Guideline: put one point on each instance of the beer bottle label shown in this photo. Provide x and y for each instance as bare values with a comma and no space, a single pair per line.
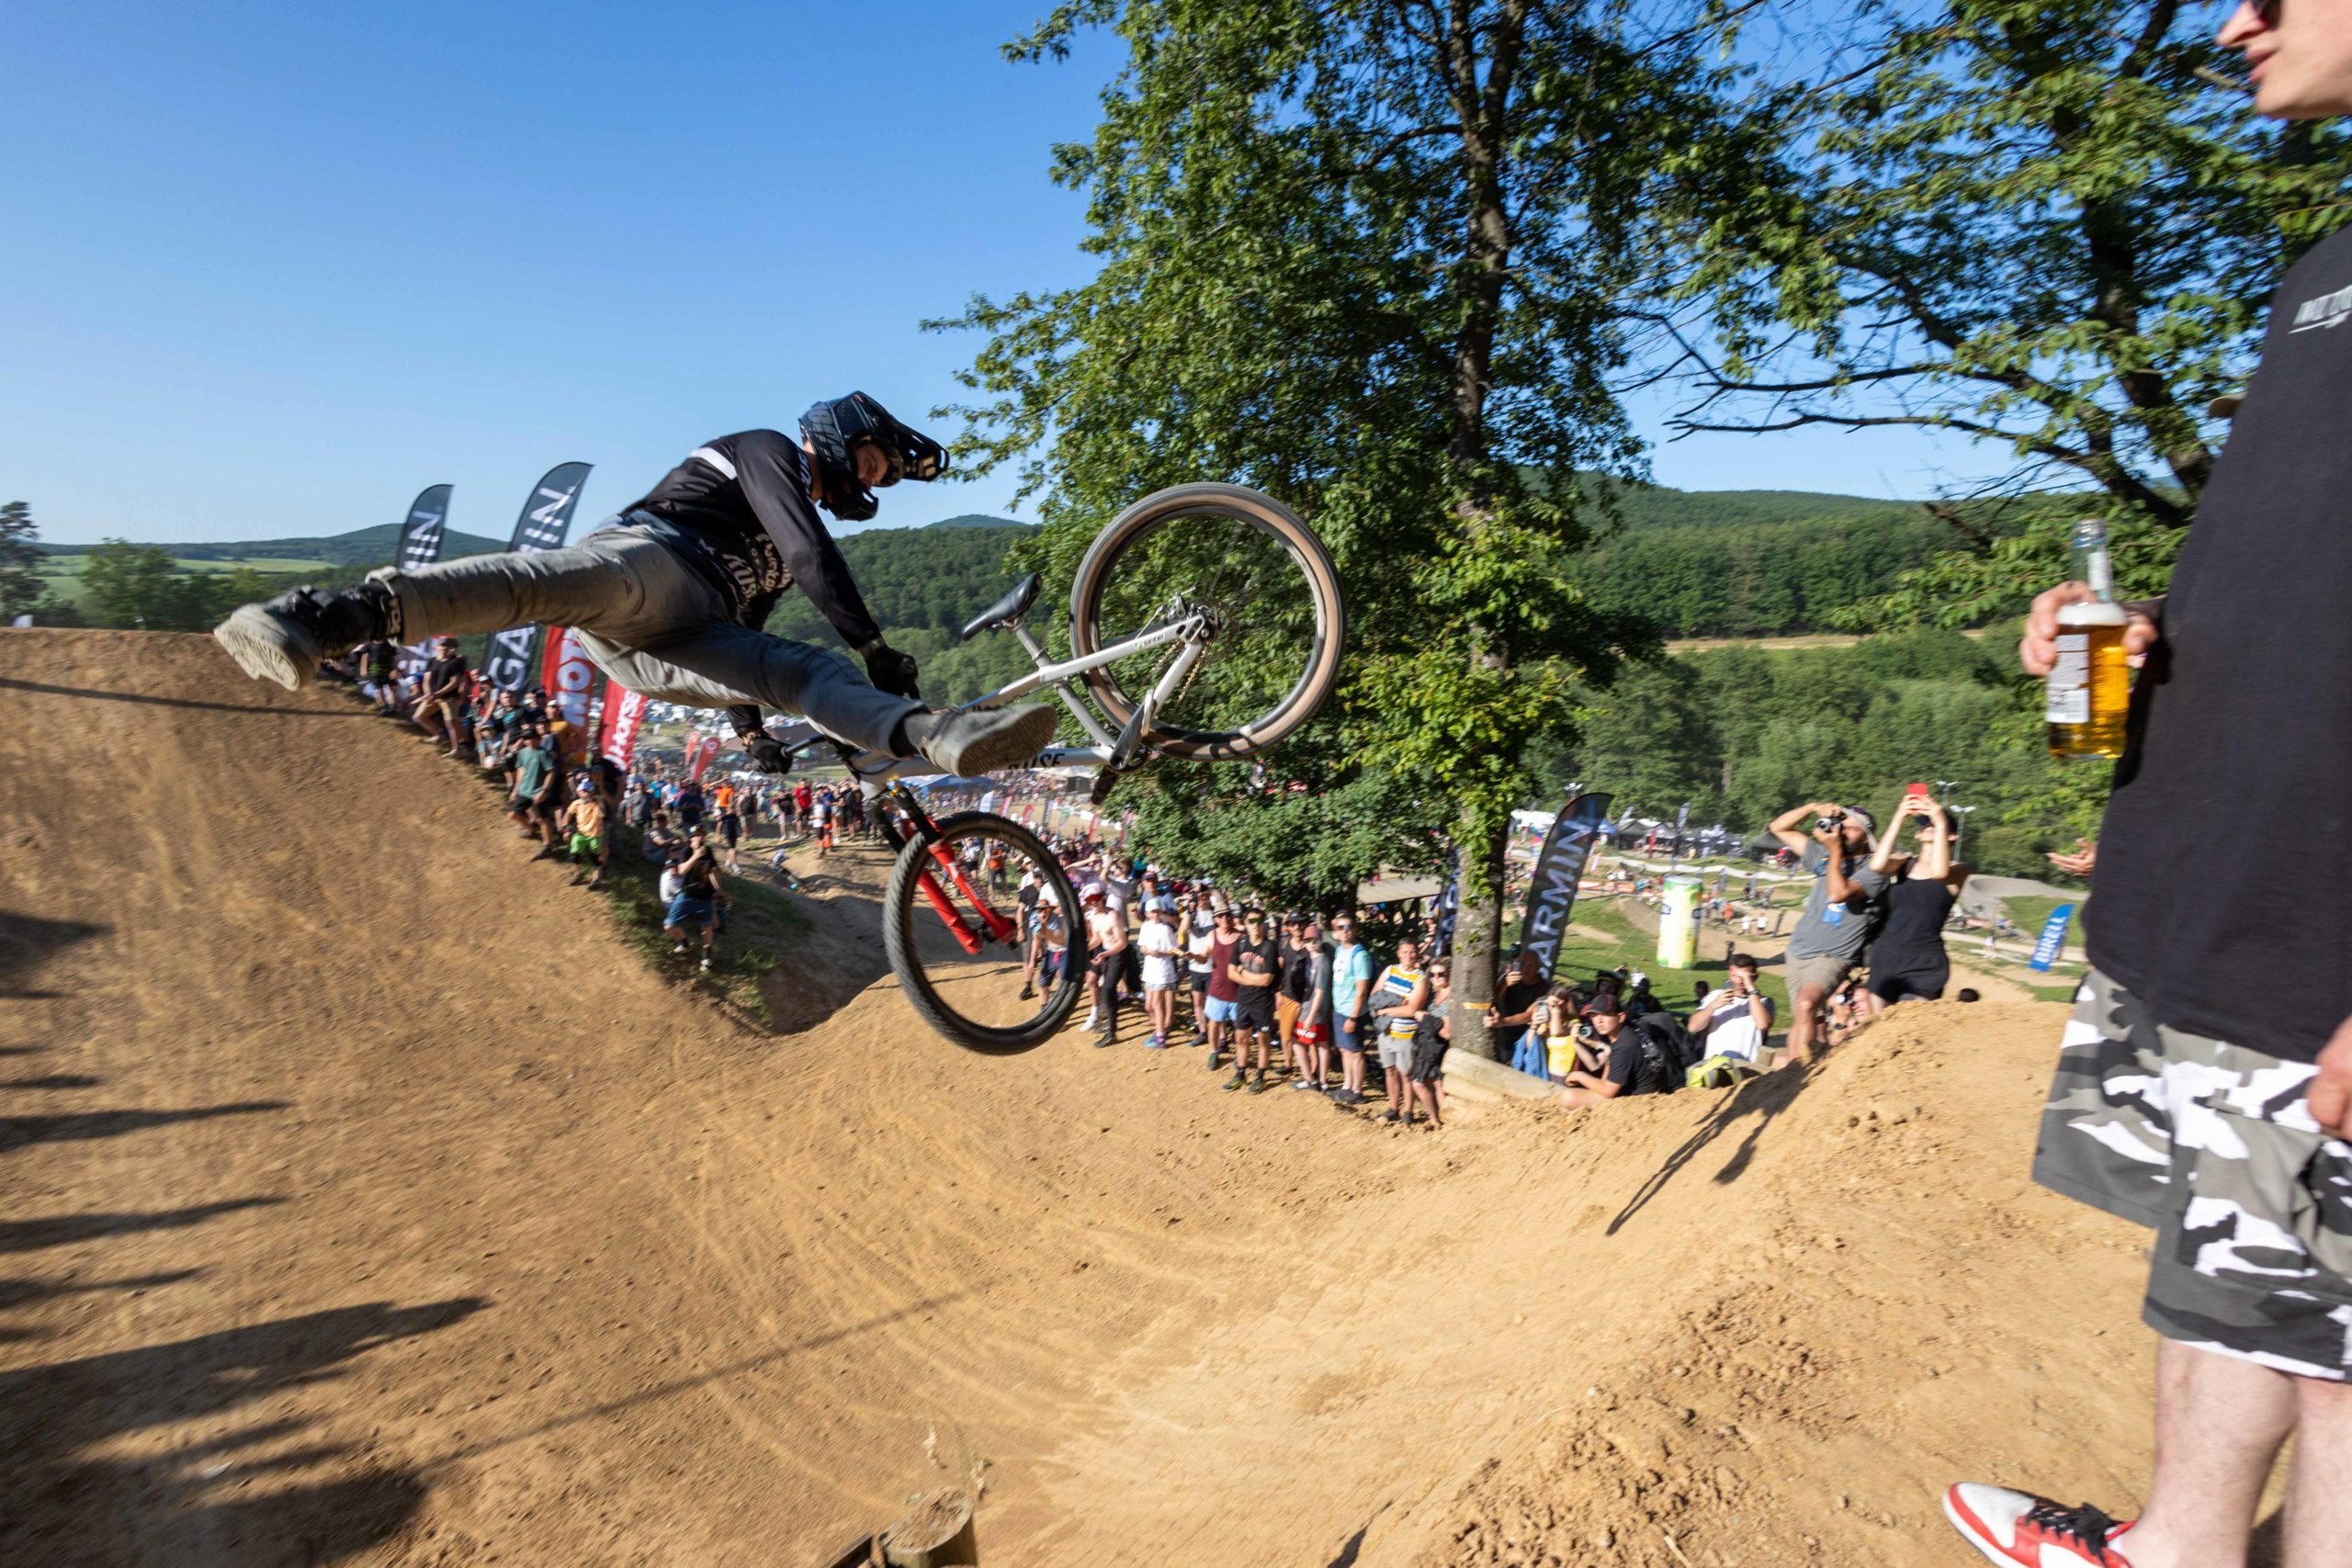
2068,694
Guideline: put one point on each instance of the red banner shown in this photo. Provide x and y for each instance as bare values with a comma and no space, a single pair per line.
700,754
568,676
624,711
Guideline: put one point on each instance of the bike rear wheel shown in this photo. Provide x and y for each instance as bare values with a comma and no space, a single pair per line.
1262,576
959,938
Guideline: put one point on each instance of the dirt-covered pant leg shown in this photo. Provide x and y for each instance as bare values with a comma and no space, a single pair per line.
649,622
2211,1145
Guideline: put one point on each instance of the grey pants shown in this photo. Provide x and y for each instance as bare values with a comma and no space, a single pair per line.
651,623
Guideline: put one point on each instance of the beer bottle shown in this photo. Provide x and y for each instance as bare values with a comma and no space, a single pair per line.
2088,691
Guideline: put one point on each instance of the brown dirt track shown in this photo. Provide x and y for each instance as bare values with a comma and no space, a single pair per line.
348,1220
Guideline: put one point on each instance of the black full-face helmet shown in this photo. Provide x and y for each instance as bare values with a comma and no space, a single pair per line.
835,428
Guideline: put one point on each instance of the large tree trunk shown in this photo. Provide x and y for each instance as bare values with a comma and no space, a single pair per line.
1478,937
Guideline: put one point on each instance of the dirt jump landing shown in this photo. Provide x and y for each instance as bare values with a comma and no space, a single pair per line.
363,1199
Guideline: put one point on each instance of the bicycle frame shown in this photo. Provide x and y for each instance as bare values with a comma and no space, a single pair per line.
873,770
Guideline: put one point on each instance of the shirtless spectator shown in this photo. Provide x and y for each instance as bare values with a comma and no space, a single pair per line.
1106,936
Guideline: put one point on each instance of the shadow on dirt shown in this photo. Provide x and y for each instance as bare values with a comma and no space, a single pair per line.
63,1230
19,1132
27,942
192,1500
1762,1098
151,701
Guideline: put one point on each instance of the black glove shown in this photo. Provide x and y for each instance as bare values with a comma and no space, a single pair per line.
892,672
767,753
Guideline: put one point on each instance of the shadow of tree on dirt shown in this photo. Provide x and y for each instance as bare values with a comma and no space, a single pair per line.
1760,1098
62,1230
62,1500
17,1132
27,942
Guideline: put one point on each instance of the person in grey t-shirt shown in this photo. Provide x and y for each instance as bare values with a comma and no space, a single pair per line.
1835,922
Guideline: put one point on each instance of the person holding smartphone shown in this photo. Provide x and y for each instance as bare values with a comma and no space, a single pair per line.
1907,962
1735,1020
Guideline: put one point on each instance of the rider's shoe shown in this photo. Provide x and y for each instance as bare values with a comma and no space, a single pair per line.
2020,1528
983,740
282,639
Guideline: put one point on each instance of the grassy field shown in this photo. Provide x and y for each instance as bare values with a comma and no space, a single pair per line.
61,575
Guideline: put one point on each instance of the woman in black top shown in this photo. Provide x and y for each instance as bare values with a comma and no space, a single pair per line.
1906,958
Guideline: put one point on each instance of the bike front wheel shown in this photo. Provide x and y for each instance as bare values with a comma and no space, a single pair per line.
1266,586
964,953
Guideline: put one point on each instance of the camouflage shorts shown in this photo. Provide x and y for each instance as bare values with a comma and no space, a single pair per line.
2209,1145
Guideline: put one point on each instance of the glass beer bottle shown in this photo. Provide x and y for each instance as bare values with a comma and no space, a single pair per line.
2089,692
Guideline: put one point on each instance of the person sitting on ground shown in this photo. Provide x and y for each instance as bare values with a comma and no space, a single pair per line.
1552,1023
1735,1022
669,598
1629,1063
661,838
440,709
1398,998
584,822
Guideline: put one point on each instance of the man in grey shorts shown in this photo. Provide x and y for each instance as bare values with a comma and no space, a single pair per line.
1836,922
670,598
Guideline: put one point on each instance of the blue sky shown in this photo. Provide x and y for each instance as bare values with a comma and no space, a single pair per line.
272,270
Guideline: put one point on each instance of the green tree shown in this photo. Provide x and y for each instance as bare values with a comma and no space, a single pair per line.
2048,224
1364,256
20,585
140,586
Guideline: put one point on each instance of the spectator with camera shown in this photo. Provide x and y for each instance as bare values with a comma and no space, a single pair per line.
1735,1020
1908,961
1834,928
1633,1059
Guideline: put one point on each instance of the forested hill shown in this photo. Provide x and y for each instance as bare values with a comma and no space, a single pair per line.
361,546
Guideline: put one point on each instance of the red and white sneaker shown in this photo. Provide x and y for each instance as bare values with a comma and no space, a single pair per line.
2033,1532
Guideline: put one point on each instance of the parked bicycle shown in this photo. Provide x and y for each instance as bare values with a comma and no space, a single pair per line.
1205,624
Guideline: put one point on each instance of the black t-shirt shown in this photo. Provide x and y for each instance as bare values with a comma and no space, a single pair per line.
1299,971
1633,1061
2227,849
451,670
1518,997
1263,957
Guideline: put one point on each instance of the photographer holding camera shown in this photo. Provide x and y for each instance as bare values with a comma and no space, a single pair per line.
1735,1019
1835,923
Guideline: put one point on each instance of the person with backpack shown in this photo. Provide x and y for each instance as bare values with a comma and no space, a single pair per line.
1637,1056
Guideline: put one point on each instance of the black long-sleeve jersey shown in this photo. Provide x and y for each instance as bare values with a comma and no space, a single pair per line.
743,499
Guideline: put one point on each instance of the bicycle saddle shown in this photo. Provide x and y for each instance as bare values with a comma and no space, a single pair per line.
1007,611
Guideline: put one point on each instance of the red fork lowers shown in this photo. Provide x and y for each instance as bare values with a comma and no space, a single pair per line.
960,928
1001,927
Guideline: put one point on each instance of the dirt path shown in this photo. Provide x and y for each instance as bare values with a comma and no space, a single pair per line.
365,1200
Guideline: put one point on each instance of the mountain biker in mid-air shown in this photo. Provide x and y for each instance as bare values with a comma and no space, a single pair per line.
669,598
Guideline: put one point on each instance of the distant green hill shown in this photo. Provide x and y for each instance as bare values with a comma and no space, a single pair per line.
979,520
362,547
1656,506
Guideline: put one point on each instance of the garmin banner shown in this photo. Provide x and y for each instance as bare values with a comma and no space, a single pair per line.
2054,937
420,545
546,520
624,711
1552,893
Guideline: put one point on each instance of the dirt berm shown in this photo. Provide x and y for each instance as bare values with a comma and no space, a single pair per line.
364,1196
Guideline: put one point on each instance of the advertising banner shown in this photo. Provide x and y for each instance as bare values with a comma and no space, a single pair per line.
420,545
2054,937
624,711
568,675
545,522
701,751
1677,922
1551,892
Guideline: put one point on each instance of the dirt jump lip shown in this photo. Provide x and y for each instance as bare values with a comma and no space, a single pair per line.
388,1208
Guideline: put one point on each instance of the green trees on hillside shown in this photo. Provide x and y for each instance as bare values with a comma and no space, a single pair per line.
21,586
141,586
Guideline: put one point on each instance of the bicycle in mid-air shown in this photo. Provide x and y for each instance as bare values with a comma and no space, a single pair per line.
1205,623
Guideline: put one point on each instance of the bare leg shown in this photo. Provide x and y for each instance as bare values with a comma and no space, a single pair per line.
2319,1498
2219,1424
1806,1009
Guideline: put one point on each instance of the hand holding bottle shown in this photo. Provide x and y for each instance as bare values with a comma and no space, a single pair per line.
2038,651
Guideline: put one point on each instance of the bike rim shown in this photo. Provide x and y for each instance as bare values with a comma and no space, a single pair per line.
966,943
1257,589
